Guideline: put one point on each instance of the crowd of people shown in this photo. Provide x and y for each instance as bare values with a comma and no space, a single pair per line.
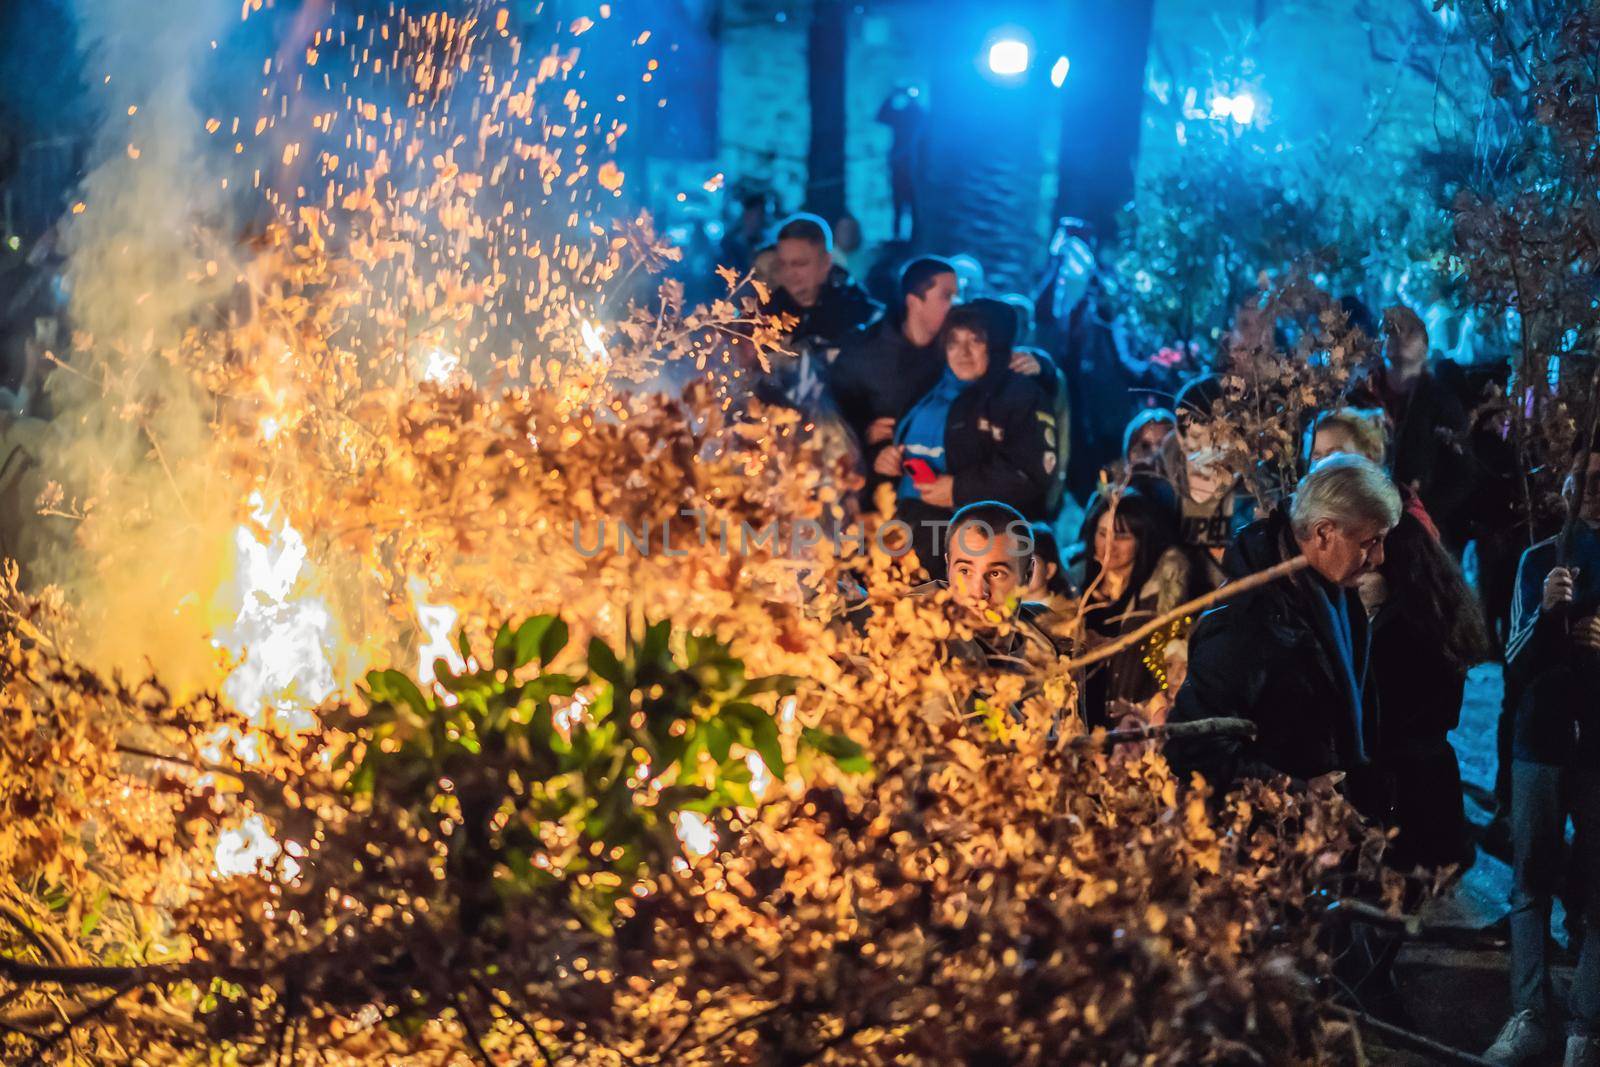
1039,482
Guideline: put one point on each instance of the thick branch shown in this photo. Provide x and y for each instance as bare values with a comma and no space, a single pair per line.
1437,1052
18,971
1199,728
1193,607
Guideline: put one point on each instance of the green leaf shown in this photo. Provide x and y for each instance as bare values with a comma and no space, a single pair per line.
764,739
654,647
677,797
718,739
553,640
771,683
603,661
365,777
395,687
526,642
505,648
846,754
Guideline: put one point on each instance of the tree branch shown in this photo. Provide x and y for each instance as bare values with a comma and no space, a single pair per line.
1199,728
1193,607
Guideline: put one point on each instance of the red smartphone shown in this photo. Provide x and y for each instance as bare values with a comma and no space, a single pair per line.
921,473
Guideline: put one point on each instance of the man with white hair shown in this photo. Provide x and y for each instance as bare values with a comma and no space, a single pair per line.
1291,655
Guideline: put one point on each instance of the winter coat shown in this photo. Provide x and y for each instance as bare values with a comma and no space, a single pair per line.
842,308
1273,655
879,374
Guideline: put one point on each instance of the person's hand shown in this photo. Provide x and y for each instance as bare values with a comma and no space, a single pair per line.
880,430
1557,588
940,492
1586,633
1022,363
889,461
1373,590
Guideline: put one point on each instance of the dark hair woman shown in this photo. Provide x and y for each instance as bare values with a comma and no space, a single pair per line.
1427,632
1134,570
983,432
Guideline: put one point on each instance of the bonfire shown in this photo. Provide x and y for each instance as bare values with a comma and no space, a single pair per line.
331,733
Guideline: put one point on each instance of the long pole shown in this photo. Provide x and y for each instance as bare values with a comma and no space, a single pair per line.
1198,604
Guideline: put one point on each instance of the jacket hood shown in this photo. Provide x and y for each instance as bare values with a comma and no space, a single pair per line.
1001,320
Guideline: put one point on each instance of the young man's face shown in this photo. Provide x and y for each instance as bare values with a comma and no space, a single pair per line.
1405,350
925,314
986,566
803,269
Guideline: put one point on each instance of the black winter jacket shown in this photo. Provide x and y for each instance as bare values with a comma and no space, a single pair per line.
842,308
999,441
1271,655
880,374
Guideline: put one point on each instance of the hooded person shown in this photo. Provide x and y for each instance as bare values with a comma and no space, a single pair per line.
983,432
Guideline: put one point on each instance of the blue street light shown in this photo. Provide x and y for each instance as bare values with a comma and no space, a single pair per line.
1009,56
1058,73
1241,107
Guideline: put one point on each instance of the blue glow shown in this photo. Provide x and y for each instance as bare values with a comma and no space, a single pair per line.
1241,107
1008,56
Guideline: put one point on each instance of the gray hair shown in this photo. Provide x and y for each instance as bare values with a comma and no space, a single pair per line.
1344,488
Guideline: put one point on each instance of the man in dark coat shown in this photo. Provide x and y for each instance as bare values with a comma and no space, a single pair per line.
894,362
1291,656
1423,401
827,305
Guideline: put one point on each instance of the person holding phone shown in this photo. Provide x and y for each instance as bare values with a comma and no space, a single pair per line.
1553,659
984,432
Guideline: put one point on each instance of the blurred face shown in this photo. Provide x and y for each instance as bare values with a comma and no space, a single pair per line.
1177,670
1206,472
1114,548
925,314
967,355
803,269
1343,552
1146,444
1405,351
847,235
1590,512
986,567
1332,439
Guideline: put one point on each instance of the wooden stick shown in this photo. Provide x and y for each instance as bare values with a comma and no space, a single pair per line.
1437,1051
1412,927
18,971
1198,604
1199,728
